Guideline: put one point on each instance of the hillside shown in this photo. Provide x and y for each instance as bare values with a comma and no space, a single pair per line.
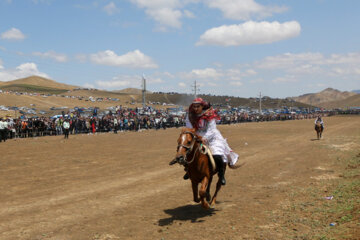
36,84
185,100
327,95
353,101
131,91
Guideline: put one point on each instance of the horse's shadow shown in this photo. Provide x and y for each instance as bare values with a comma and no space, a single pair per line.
314,139
194,213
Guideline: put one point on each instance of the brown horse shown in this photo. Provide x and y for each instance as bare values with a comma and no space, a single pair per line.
318,130
190,154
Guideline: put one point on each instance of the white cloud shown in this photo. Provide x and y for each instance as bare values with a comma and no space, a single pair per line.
135,59
123,81
59,57
165,12
237,83
88,85
203,73
110,8
250,72
286,79
1,64
250,33
182,84
235,74
21,71
167,74
357,71
349,58
312,63
12,34
257,80
154,80
113,84
212,84
166,16
244,9
81,57
289,60
188,14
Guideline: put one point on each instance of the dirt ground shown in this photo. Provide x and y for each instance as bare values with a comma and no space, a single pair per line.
108,186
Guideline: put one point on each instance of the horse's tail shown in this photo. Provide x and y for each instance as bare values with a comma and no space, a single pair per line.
236,166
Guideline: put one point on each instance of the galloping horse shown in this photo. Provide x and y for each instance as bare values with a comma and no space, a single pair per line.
190,154
318,129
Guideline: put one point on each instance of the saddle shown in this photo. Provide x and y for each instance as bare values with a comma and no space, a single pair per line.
206,150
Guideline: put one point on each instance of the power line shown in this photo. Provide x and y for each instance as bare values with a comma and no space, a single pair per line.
260,103
195,89
143,90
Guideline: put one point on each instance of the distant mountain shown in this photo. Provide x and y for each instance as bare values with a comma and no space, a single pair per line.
356,91
353,101
327,95
36,84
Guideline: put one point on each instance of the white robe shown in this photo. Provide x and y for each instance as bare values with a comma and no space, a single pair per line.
216,141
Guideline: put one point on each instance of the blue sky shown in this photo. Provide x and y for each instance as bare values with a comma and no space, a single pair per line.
230,47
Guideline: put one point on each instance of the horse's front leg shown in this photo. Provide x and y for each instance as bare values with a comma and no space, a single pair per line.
202,193
195,191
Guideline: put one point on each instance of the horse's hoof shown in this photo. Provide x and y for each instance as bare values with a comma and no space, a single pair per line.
205,206
197,200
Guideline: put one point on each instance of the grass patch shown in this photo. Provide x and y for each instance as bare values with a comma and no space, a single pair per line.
309,214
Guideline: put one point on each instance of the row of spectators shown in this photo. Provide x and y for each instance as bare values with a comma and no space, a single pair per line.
123,120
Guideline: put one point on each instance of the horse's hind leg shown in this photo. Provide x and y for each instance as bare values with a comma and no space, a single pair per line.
195,191
202,193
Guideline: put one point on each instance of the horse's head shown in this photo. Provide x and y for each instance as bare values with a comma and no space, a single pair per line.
186,142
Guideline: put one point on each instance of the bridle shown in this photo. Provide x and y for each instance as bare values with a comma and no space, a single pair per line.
189,148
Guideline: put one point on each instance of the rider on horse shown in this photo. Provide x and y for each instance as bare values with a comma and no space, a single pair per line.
202,117
319,119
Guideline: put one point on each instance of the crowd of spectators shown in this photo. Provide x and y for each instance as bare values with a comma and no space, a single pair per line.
125,119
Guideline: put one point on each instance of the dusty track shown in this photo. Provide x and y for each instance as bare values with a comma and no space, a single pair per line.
120,186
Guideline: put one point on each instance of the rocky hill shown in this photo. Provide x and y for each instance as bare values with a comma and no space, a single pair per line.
327,95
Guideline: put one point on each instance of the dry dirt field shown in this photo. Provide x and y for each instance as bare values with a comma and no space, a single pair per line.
108,186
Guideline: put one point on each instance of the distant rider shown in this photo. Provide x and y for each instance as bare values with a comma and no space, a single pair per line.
319,119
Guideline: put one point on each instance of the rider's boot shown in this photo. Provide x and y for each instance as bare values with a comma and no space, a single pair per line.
221,168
